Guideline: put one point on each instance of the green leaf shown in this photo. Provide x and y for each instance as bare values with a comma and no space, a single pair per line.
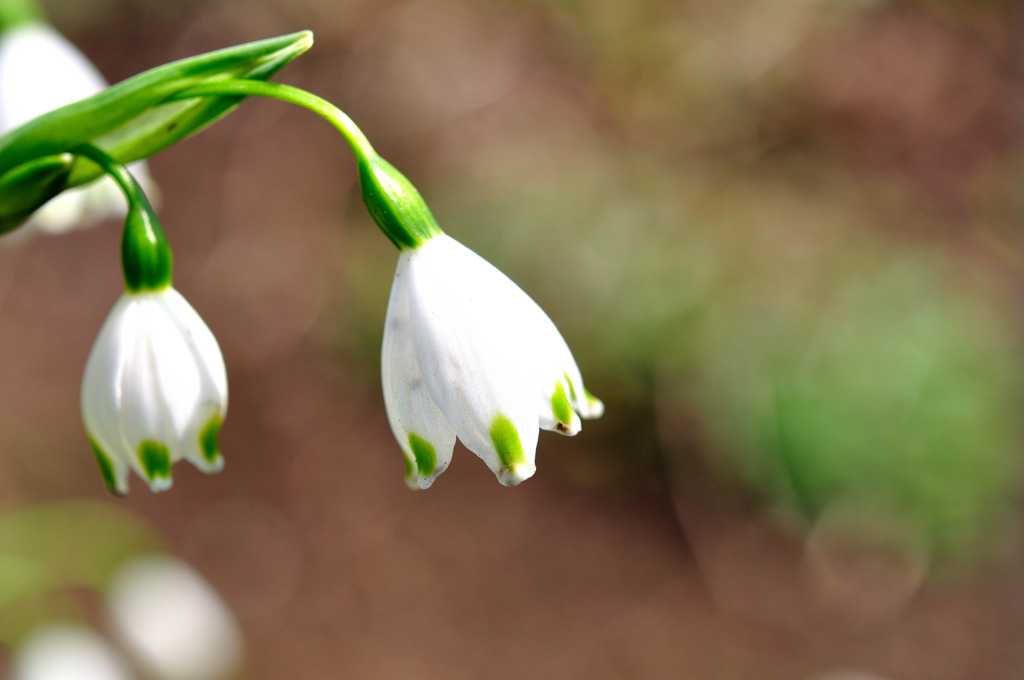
50,553
28,186
136,118
81,541
15,13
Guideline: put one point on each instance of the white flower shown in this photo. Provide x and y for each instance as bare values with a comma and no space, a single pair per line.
39,72
154,391
67,652
173,622
467,353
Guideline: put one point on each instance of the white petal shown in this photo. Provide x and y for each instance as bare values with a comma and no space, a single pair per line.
151,410
555,367
414,417
101,392
67,652
468,341
210,402
554,364
60,214
175,624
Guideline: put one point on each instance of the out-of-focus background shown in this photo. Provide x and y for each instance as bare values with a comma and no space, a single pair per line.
782,237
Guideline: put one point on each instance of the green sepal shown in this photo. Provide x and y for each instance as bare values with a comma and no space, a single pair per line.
394,203
145,254
28,186
138,117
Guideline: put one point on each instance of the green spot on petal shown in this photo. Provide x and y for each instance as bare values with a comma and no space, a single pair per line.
208,439
426,457
410,468
572,389
560,406
155,460
106,469
506,442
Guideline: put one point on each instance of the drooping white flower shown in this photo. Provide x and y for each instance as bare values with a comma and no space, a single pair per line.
468,354
67,652
173,622
154,391
39,72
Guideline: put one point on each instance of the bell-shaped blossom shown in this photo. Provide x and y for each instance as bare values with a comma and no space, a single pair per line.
468,354
67,651
154,391
39,72
173,622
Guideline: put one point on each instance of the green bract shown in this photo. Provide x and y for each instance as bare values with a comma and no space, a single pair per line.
145,256
394,203
129,121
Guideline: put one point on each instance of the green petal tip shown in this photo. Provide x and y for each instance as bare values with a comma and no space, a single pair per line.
208,438
107,471
562,410
424,453
155,460
509,447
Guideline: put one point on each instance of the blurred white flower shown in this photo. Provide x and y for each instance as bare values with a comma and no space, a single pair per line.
173,622
39,72
67,652
154,390
467,353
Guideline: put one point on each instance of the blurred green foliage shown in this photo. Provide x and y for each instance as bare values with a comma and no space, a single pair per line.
53,555
868,372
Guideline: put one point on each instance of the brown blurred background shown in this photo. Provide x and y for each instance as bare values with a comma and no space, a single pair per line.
783,238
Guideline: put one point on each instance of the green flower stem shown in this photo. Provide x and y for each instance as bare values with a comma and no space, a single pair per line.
394,203
145,254
17,12
125,180
243,87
